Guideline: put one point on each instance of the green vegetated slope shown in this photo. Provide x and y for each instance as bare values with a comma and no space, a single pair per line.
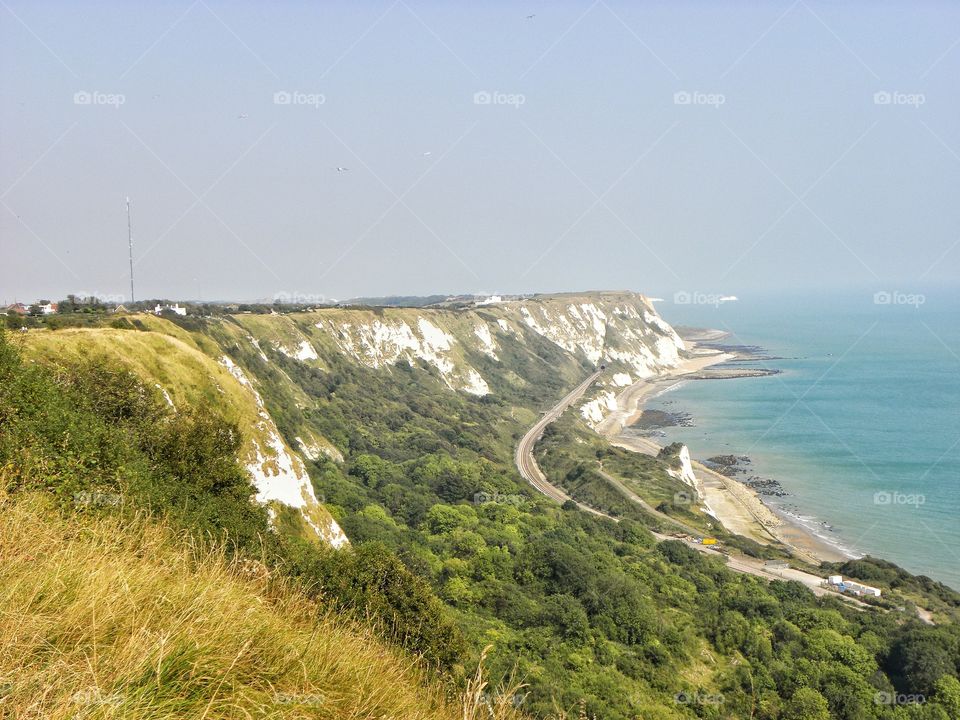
187,369
138,580
594,616
583,463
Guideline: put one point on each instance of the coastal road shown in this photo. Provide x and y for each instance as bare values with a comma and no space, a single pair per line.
531,472
527,464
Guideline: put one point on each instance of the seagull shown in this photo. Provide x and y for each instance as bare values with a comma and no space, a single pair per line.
242,116
531,17
343,169
428,153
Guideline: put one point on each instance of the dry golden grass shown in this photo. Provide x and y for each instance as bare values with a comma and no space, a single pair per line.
189,375
107,619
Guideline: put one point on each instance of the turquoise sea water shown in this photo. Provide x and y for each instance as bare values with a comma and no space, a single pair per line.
862,428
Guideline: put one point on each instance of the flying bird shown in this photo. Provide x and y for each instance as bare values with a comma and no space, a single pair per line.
428,153
242,116
343,169
531,17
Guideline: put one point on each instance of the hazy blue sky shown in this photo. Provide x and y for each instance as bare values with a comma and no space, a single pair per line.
585,170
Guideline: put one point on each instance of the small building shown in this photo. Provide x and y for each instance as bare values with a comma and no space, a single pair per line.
175,308
852,587
856,588
48,308
17,309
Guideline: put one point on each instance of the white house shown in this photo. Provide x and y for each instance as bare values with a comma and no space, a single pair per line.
175,308
861,589
852,586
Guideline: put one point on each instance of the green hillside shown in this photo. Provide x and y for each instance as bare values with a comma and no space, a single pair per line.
597,618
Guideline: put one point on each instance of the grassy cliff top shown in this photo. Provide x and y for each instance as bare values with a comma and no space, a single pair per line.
102,618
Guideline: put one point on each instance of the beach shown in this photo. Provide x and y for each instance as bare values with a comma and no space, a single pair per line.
738,507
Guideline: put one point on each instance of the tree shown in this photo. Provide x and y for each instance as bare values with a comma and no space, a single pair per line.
566,614
946,693
806,704
920,658
372,470
442,519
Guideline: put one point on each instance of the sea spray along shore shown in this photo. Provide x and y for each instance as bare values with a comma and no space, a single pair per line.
737,506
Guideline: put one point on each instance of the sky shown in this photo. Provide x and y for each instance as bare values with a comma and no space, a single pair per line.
326,150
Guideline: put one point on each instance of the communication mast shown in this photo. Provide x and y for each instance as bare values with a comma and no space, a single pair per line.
130,247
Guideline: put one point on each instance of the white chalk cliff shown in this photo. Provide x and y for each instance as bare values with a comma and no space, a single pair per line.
278,473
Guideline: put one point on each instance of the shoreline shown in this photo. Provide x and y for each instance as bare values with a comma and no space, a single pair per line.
739,508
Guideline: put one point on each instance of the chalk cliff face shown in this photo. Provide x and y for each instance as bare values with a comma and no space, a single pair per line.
278,473
263,370
685,471
620,329
400,336
474,350
464,347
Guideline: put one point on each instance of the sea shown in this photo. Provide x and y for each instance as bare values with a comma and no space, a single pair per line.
860,428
